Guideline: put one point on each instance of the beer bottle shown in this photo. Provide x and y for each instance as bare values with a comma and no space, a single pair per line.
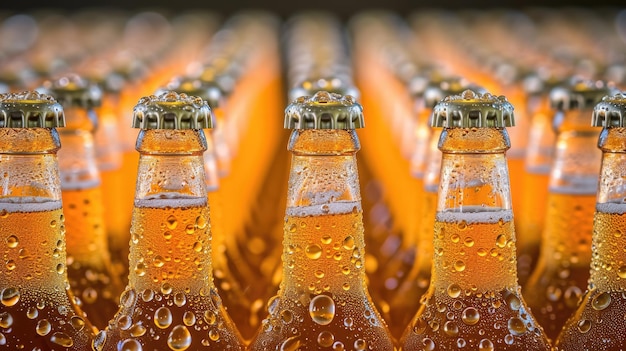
474,300
38,310
89,268
323,301
598,322
170,302
406,300
560,277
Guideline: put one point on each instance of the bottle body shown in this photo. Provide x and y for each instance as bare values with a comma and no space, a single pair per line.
562,271
170,301
37,309
473,300
598,322
323,300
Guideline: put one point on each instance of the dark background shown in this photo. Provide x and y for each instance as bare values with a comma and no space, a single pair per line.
343,8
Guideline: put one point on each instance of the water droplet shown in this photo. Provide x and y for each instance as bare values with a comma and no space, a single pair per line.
78,323
210,317
140,269
419,327
291,344
513,302
166,288
313,251
32,313
516,326
454,291
180,299
462,225
621,271
348,243
509,339
338,346
326,239
130,345
459,266
12,241
197,247
179,338
190,229
325,339
147,295
158,261
429,344
10,296
189,318
322,309
319,274
201,222
501,241
137,330
167,235
99,340
470,316
163,317
360,345
10,265
6,320
485,345
461,343
451,328
62,339
584,325
214,335
601,301
171,222
3,339
469,242
286,316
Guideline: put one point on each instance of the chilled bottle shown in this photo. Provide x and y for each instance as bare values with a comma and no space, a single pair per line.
89,268
323,300
170,302
560,277
598,322
474,300
38,310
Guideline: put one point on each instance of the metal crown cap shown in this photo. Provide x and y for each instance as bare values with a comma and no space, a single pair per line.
335,85
473,110
580,94
209,91
171,110
436,92
610,112
30,109
324,110
74,91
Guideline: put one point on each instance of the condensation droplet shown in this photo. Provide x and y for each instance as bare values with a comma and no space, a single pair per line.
322,309
214,335
10,296
78,323
171,222
584,325
313,251
163,317
6,320
189,318
12,241
291,344
470,316
32,313
62,339
360,345
516,326
348,243
501,241
43,327
180,299
429,344
210,317
451,329
459,266
325,339
179,338
485,345
601,301
338,346
130,345
286,316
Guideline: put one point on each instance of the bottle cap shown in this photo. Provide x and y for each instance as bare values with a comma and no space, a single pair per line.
171,110
30,109
610,112
208,91
436,92
74,91
324,110
579,94
473,110
335,85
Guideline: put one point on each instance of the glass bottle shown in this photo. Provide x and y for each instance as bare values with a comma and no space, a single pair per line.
406,300
170,302
474,300
598,322
38,310
89,267
323,300
560,277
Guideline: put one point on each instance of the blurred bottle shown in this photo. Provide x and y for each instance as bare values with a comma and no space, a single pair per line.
474,300
407,297
560,277
537,163
91,275
598,322
38,310
323,300
170,302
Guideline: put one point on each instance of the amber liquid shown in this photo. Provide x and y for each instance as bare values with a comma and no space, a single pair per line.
407,299
323,302
89,269
170,302
598,323
473,301
555,287
37,312
531,221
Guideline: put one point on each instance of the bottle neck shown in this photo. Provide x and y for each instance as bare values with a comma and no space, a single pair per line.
576,159
170,233
474,231
323,228
77,158
609,231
